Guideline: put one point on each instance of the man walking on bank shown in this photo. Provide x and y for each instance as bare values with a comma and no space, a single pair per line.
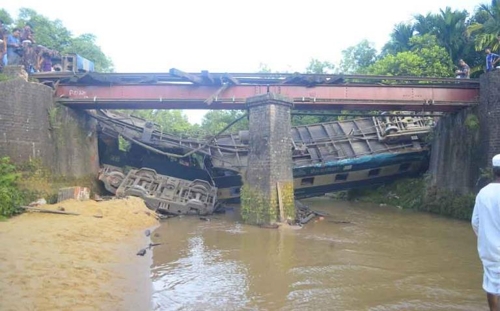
486,225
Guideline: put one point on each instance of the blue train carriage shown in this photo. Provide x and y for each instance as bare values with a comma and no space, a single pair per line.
316,180
76,63
340,155
370,170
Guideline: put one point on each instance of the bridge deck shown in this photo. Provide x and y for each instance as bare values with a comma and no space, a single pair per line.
179,90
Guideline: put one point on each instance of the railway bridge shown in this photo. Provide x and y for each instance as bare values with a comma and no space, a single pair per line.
180,90
269,99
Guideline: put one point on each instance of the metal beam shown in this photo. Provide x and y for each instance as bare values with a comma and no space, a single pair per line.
418,97
190,77
363,115
262,78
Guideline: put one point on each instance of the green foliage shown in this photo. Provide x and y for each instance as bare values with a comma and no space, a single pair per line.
53,113
3,77
472,122
5,17
86,46
216,120
319,67
51,34
357,58
123,144
173,122
312,119
407,193
399,39
10,196
412,193
264,68
449,28
486,174
449,204
486,26
54,35
426,58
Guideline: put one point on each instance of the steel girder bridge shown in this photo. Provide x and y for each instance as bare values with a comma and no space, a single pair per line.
181,90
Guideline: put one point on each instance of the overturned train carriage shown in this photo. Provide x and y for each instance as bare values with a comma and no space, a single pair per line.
336,156
327,157
161,193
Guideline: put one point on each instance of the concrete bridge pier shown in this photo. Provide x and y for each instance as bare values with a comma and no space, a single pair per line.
267,195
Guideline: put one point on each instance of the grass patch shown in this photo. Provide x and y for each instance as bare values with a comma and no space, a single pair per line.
25,183
413,193
4,77
11,195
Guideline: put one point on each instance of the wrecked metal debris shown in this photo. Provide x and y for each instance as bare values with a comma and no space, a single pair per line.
161,193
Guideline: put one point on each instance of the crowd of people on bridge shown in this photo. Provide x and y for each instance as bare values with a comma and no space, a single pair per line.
18,47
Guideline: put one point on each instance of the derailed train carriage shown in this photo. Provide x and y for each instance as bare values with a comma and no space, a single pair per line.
327,157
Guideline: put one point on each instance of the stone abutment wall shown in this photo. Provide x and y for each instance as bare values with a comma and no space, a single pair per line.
33,127
462,148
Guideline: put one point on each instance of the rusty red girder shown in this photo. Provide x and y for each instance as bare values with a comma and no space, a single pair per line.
445,98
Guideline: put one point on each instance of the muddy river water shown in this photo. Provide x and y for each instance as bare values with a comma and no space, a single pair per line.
362,257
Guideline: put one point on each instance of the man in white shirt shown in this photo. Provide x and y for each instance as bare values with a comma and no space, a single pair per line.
486,225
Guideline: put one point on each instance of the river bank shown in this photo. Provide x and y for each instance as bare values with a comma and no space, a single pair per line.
414,193
65,262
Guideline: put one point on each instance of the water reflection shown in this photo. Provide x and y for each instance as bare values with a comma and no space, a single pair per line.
384,259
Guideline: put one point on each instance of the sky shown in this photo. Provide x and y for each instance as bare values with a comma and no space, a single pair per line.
230,36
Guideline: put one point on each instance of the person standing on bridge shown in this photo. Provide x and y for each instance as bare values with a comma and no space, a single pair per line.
14,49
491,59
464,71
486,224
3,44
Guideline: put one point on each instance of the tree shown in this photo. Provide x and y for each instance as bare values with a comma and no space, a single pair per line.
399,39
85,46
173,122
5,17
319,67
264,68
426,58
425,24
450,31
54,35
216,120
449,28
486,28
51,34
357,58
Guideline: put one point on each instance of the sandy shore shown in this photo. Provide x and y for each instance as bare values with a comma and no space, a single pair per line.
61,262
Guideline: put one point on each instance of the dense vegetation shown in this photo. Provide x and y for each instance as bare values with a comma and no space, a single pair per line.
414,193
10,195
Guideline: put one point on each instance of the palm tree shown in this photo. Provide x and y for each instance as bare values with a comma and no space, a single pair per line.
448,27
425,24
450,31
487,28
400,39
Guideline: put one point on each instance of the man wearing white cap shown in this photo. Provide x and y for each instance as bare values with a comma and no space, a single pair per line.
486,225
